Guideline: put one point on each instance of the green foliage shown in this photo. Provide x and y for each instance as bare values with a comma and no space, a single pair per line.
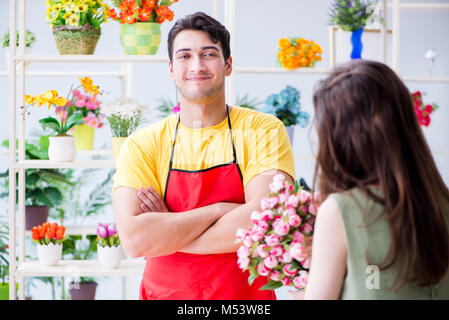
62,127
351,15
29,39
246,102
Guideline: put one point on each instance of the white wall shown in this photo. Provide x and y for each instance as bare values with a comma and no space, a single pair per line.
259,25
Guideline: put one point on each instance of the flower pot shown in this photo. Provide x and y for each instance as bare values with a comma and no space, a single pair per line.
291,133
4,290
84,137
357,45
110,257
50,254
83,290
62,148
76,39
140,37
35,215
116,145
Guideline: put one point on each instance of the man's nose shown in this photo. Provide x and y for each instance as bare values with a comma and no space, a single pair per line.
197,64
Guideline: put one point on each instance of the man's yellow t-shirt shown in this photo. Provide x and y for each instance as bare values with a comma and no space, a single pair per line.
261,142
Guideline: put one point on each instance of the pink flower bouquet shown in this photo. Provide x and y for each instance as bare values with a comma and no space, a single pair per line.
277,246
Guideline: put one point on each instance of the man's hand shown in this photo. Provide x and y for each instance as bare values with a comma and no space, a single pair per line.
151,200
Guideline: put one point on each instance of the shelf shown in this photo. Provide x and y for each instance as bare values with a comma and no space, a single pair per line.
69,73
92,58
281,70
426,79
79,268
421,6
46,164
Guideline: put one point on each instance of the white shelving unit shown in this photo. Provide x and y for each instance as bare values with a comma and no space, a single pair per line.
129,267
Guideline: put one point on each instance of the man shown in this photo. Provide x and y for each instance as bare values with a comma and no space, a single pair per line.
185,184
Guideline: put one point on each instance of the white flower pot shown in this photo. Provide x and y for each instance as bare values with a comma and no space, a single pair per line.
50,254
62,148
110,257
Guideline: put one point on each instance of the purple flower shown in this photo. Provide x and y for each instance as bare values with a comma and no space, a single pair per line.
112,229
102,232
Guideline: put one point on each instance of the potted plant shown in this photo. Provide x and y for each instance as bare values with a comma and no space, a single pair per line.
140,23
4,262
41,191
86,102
124,116
76,25
109,249
352,16
49,238
62,147
286,106
29,40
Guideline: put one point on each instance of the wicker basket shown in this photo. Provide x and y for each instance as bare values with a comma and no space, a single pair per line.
76,39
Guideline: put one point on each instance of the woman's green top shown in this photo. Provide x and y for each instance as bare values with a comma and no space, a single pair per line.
368,237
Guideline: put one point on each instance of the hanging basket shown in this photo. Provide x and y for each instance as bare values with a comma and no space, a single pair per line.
76,39
140,37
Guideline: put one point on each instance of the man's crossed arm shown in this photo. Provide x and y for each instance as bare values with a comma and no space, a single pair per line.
146,228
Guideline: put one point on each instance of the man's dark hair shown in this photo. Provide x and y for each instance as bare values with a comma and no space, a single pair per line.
202,22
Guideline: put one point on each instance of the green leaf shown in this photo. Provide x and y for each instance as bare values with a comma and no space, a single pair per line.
44,142
54,195
251,279
73,120
51,123
271,285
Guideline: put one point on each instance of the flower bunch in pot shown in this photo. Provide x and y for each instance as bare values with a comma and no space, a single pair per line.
140,23
110,252
85,101
49,238
124,116
76,24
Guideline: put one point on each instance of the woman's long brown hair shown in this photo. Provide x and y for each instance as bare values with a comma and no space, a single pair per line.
369,135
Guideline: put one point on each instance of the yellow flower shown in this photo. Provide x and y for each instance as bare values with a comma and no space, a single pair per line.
82,7
29,99
88,85
284,43
74,20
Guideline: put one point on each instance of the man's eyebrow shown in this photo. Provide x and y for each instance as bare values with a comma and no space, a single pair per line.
203,48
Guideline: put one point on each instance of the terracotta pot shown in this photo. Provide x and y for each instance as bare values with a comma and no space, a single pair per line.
83,290
35,215
62,148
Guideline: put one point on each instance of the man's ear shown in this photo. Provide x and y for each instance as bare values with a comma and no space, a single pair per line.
170,70
228,67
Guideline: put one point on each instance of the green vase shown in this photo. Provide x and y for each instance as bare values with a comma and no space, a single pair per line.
140,37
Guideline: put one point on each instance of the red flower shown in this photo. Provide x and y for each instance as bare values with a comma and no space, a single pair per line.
60,232
112,14
35,234
144,14
51,232
150,4
128,19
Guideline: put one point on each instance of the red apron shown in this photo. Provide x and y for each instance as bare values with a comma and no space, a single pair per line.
185,276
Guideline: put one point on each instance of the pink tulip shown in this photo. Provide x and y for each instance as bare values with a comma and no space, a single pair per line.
300,281
112,229
270,262
262,269
277,251
102,231
298,252
289,270
272,240
306,263
263,250
275,275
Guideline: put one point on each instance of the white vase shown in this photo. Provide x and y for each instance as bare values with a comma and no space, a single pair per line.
110,257
62,148
50,254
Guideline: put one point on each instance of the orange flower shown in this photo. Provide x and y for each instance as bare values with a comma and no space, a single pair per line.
41,232
112,14
35,234
144,14
51,232
129,19
60,233
150,4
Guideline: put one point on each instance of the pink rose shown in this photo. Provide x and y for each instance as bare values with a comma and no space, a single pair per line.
279,177
283,197
277,251
300,281
262,225
272,240
298,252
289,270
285,281
256,234
275,275
243,262
306,263
306,228
281,228
241,233
255,217
293,200
248,241
286,257
262,269
298,237
276,186
243,252
270,262
267,215
263,250
312,209
294,220
304,196
80,103
268,203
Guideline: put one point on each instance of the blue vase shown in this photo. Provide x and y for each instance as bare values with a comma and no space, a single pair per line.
357,46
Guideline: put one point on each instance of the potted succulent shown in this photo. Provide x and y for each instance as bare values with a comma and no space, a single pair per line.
286,106
140,23
109,249
76,24
29,40
49,238
124,116
41,191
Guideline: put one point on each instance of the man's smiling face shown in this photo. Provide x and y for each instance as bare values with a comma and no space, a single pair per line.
198,67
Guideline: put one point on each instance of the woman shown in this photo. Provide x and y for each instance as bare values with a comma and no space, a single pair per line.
382,232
